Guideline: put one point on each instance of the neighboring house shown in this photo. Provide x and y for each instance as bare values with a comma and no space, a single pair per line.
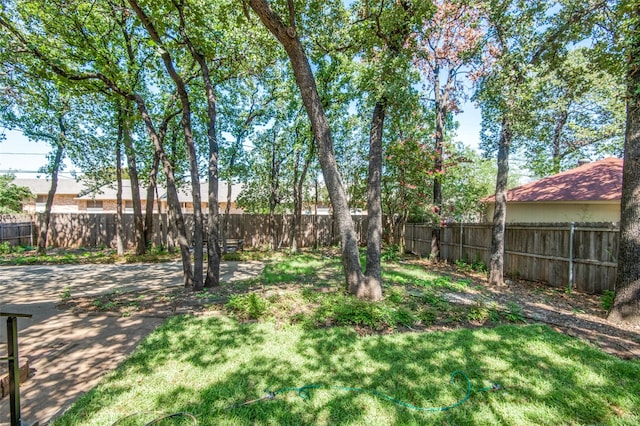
64,200
588,193
186,199
105,199
75,197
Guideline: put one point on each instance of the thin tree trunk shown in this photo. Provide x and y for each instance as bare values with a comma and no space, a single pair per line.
437,172
119,218
286,35
198,225
557,139
151,191
298,193
175,212
293,229
55,167
496,267
138,222
626,304
273,194
401,230
227,213
442,96
373,270
213,236
227,209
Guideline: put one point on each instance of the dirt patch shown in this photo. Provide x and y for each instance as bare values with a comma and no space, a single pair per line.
149,302
574,313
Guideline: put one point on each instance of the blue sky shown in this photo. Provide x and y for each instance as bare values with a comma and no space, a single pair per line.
17,153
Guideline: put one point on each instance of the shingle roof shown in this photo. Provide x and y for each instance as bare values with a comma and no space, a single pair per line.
597,181
184,193
109,192
42,186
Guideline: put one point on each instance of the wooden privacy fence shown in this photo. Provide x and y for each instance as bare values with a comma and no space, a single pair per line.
582,255
579,255
17,233
73,230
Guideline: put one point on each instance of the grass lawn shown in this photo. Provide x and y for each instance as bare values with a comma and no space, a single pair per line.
293,326
203,365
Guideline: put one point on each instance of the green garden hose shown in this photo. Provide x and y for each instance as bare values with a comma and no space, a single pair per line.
160,417
304,393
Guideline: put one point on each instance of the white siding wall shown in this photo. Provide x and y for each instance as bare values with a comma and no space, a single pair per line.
560,212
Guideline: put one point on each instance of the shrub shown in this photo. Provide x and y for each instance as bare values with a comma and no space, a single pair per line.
606,300
248,306
513,312
5,247
405,317
390,254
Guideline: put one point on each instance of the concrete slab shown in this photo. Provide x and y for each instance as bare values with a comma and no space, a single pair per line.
69,353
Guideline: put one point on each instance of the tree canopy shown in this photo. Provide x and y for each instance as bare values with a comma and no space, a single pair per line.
12,196
275,93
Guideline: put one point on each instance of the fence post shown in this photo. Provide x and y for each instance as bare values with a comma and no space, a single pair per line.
571,232
413,237
461,245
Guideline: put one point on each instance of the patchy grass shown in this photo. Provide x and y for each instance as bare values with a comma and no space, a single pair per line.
29,256
308,289
20,255
207,365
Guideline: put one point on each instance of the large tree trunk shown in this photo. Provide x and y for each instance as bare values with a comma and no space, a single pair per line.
138,223
55,167
496,267
373,270
286,35
198,225
626,304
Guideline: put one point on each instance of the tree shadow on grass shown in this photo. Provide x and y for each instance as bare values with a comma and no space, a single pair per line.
547,378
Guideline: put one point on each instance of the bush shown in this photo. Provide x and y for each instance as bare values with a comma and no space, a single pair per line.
390,254
606,300
5,247
248,306
405,317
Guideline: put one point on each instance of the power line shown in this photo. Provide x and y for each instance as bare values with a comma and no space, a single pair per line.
23,153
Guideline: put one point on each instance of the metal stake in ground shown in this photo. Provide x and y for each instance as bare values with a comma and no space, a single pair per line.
14,365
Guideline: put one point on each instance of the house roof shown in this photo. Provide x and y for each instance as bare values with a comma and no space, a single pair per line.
109,192
42,186
184,193
597,181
